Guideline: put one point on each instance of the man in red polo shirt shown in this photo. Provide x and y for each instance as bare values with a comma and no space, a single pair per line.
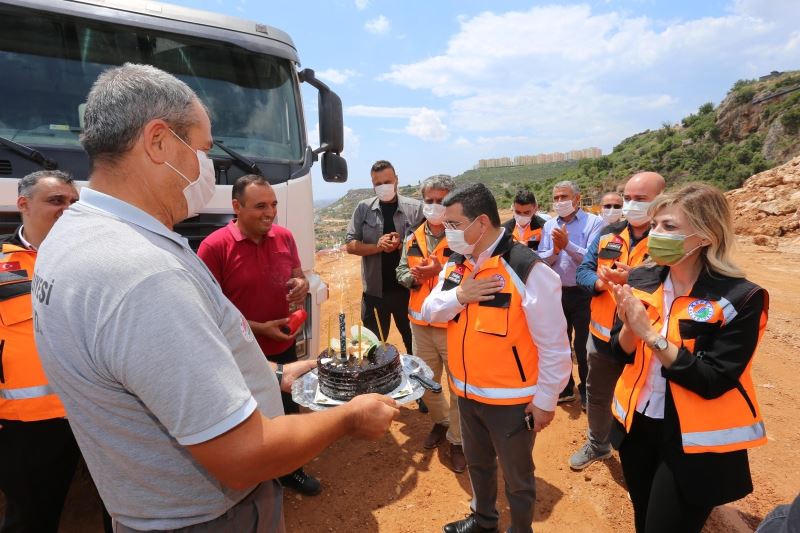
257,266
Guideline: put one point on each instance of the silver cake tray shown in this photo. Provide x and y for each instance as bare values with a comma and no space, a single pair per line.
305,390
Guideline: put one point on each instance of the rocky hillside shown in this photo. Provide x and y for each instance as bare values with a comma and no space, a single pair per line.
767,206
756,127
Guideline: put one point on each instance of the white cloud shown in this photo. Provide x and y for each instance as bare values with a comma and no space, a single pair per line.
361,5
427,125
336,76
423,122
381,111
567,74
379,25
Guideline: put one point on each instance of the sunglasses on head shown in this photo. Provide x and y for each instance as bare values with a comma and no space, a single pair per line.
612,206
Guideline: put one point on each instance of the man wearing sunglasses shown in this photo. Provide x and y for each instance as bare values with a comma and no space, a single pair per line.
620,247
611,210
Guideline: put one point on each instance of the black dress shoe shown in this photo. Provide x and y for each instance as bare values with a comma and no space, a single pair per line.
302,483
468,525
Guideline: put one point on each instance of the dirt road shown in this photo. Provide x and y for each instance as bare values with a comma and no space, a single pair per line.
395,486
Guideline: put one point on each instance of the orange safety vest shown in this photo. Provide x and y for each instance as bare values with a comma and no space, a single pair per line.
416,253
530,236
613,246
491,355
727,423
24,391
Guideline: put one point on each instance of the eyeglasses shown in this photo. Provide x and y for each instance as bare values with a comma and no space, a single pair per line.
455,225
612,206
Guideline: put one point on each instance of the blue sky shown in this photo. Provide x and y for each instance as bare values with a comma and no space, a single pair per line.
435,85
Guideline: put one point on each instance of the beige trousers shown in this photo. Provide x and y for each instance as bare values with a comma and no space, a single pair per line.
430,345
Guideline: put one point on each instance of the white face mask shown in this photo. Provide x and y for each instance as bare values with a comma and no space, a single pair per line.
434,213
456,241
522,220
385,192
563,209
200,191
636,212
610,215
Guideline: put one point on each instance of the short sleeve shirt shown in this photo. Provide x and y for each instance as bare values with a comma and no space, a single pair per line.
148,356
254,276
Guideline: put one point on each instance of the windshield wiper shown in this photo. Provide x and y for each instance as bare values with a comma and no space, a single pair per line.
29,153
247,164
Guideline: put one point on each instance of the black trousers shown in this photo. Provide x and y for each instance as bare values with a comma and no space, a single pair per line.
394,303
576,303
658,505
37,462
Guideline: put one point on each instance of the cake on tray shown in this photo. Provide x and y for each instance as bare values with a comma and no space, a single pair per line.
365,366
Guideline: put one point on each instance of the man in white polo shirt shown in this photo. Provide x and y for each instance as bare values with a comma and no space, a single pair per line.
172,402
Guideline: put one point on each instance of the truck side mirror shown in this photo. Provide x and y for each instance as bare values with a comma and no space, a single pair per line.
331,121
334,168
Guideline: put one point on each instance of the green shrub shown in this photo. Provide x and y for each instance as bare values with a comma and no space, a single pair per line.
705,109
791,121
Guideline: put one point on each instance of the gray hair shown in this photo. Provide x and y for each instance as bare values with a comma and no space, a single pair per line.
441,182
567,184
123,99
26,184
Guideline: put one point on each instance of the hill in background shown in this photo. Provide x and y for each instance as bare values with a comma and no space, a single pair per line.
755,128
331,221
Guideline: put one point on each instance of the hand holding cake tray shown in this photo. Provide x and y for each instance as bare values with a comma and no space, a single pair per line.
366,365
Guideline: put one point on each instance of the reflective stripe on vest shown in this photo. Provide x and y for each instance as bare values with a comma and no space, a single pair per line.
26,393
600,329
495,393
728,311
415,315
619,410
723,437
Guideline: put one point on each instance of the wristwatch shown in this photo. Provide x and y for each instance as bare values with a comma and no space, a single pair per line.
659,344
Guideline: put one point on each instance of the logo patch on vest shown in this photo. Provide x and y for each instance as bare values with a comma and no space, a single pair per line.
501,279
700,310
614,246
457,274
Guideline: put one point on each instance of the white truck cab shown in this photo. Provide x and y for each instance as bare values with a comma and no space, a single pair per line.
246,73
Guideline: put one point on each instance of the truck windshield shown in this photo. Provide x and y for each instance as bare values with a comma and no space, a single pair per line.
49,62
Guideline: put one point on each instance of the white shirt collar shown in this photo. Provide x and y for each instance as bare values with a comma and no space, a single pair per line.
24,241
129,213
487,253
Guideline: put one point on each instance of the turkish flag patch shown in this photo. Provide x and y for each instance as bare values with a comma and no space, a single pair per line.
11,265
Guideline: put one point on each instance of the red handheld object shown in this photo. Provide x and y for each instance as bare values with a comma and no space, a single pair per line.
296,319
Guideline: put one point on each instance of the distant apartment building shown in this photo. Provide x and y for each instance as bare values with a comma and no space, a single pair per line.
540,159
496,162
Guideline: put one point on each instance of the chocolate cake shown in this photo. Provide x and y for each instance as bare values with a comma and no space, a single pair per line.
378,371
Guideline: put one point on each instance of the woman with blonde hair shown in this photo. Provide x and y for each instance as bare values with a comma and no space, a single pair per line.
689,323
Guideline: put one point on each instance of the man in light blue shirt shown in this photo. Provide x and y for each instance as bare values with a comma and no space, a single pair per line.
565,240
